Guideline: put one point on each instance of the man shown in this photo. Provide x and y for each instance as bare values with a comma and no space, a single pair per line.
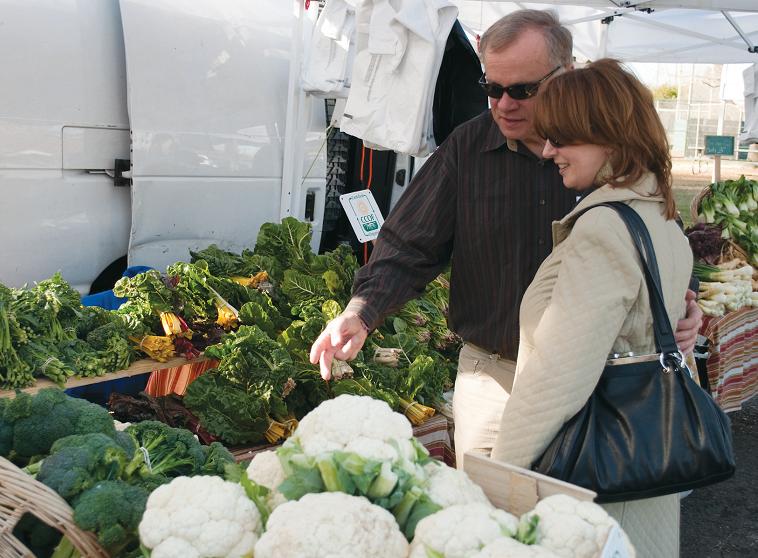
487,199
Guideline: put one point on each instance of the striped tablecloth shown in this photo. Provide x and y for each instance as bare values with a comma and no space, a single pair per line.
733,357
433,434
175,380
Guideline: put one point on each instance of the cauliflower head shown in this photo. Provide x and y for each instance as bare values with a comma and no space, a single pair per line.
461,531
266,470
449,487
511,548
358,424
331,525
572,528
200,517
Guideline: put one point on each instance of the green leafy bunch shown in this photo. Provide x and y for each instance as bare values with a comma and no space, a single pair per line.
251,360
222,263
733,205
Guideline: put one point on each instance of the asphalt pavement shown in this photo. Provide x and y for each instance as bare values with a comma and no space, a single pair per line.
721,520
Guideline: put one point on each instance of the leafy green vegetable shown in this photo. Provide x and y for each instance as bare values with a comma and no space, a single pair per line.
111,341
260,311
288,242
42,360
33,323
148,287
227,411
84,360
299,287
732,205
222,263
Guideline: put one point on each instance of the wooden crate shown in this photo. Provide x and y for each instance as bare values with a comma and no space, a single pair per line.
514,489
518,490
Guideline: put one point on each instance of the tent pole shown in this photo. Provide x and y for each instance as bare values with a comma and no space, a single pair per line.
750,47
603,47
689,111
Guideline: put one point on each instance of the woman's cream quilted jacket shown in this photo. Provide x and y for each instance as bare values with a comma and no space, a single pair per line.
587,300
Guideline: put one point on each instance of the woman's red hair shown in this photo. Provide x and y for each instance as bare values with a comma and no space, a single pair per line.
603,104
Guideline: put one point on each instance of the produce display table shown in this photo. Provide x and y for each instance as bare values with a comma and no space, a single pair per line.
733,357
433,434
143,366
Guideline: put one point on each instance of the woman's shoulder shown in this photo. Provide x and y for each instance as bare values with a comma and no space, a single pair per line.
601,224
603,219
603,230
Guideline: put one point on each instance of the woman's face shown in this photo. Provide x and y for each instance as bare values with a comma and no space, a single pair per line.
578,164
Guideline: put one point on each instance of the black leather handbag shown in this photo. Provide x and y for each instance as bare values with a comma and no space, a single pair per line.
647,429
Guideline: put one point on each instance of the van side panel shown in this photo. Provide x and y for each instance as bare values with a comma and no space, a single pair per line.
63,68
207,96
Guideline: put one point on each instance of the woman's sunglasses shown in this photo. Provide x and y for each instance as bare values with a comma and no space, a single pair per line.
555,143
517,91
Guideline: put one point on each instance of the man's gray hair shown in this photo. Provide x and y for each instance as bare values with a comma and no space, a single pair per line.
507,29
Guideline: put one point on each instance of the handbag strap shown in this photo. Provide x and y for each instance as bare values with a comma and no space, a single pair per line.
665,342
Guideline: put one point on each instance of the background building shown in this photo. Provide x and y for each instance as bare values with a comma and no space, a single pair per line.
695,100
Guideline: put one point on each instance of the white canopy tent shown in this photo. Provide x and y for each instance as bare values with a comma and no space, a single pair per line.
696,31
667,31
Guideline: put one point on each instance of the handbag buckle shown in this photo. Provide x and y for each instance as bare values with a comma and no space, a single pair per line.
671,361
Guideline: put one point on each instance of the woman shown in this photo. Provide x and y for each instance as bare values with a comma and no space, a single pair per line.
589,298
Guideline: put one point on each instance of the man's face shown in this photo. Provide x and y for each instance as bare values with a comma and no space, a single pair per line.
524,61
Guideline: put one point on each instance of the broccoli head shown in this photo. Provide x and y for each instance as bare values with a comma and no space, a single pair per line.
36,535
150,482
164,450
79,462
113,510
124,440
39,420
217,457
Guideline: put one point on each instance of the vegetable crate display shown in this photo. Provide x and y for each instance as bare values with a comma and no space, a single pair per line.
517,491
724,242
20,494
732,206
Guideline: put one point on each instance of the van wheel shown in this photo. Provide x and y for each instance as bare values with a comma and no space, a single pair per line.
108,277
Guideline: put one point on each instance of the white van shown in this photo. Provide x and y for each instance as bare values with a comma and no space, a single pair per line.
150,127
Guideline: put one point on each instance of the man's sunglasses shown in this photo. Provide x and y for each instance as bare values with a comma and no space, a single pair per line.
517,91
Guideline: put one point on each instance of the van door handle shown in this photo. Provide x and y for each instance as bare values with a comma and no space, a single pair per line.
310,205
122,172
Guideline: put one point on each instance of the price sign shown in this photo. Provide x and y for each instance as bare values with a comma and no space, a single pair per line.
719,145
363,214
